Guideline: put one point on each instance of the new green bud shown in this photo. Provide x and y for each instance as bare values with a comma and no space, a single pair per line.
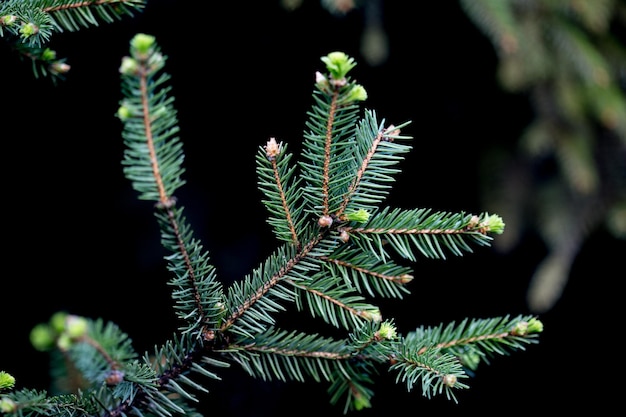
124,113
535,326
57,321
6,380
141,44
360,216
64,342
360,402
42,337
357,93
338,64
524,328
7,405
129,66
48,55
8,20
387,331
494,224
29,29
76,326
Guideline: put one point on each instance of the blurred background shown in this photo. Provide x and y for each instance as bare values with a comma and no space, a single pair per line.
517,108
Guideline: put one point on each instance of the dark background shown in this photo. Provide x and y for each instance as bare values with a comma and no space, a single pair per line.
76,238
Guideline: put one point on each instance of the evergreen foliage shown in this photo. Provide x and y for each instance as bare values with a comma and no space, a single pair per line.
340,248
28,25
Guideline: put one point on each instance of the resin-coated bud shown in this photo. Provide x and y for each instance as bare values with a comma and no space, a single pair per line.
59,67
372,315
404,279
449,380
114,377
272,149
321,81
325,221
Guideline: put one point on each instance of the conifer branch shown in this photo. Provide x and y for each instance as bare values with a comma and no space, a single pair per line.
73,15
337,247
28,26
280,190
